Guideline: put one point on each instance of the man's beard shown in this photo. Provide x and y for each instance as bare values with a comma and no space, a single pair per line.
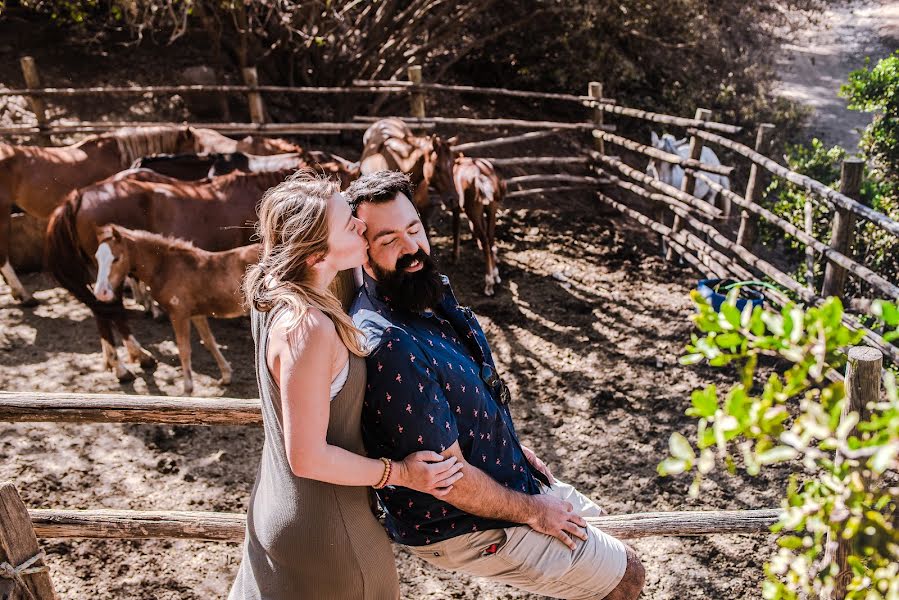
410,291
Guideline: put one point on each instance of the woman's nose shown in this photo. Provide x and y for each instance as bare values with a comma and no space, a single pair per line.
361,226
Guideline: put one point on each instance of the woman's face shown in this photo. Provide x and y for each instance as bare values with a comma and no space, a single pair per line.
347,247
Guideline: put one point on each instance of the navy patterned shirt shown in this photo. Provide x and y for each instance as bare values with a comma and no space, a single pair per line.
425,391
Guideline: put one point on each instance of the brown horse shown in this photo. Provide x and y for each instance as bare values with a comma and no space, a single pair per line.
479,192
215,215
189,167
390,145
37,179
189,283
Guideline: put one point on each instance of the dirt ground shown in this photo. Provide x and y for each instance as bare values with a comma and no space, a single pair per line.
586,327
819,58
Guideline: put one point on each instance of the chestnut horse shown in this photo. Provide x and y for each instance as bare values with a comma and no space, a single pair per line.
37,179
189,283
199,166
390,145
479,192
215,215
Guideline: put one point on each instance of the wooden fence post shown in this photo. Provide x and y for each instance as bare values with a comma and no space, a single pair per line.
23,574
842,235
33,80
594,90
416,98
257,108
689,183
749,224
863,376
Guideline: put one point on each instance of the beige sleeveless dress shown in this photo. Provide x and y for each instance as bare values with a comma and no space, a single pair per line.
306,538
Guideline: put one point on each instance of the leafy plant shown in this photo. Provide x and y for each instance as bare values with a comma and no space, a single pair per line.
847,480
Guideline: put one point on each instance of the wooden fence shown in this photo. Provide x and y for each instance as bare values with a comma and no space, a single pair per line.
711,238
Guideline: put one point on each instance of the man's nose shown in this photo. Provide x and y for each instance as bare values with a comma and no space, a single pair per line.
410,245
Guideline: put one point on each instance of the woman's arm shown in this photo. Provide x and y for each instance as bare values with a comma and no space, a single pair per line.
301,362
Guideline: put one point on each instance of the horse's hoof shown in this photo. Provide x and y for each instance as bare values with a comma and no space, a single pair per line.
126,376
147,362
29,302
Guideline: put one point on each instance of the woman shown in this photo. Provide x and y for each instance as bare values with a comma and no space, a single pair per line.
310,529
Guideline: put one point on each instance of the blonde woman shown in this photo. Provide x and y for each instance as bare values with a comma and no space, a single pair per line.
310,529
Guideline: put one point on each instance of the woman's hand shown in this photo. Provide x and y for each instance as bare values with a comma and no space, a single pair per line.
427,472
538,464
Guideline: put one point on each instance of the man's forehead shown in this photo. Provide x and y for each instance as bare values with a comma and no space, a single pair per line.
397,211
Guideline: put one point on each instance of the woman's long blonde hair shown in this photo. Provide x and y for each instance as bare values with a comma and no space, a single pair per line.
293,226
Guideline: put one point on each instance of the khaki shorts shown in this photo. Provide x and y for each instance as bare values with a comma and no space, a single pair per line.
536,562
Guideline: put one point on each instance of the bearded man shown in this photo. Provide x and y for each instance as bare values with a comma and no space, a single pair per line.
433,385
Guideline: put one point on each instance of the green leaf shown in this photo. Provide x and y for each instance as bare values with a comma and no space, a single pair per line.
729,340
885,458
681,448
776,455
705,402
671,466
790,542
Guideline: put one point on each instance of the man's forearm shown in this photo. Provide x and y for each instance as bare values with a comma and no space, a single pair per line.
479,494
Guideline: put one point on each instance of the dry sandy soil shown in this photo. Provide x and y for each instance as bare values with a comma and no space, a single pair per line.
587,327
820,57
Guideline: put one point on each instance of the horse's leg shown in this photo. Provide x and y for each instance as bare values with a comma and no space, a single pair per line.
136,352
422,202
491,240
478,222
110,353
18,290
457,222
181,325
202,325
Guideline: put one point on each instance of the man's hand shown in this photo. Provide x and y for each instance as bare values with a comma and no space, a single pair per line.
554,517
538,464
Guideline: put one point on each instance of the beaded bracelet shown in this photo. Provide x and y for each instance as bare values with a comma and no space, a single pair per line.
388,467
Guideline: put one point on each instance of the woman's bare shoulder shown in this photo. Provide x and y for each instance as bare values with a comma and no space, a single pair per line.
311,332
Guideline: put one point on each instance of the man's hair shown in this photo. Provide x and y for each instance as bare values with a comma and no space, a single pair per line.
378,187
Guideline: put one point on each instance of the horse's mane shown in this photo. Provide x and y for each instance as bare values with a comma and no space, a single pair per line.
169,242
136,142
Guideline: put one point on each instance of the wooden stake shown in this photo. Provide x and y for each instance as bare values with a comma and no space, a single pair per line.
594,90
254,98
18,549
33,80
689,184
416,99
842,235
749,225
862,388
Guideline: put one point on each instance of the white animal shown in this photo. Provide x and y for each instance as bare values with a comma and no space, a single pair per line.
674,174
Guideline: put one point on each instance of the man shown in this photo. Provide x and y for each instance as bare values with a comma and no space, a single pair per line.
432,385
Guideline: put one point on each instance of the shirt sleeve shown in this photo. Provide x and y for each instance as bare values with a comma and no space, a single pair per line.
405,399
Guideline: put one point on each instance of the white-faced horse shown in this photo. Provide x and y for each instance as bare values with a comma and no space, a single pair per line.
674,174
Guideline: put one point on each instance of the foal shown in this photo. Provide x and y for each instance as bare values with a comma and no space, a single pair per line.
189,283
479,190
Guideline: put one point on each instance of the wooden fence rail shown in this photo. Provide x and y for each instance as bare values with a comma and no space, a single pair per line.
831,196
120,408
665,119
229,527
662,155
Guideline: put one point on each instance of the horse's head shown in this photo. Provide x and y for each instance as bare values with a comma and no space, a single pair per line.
439,162
113,263
662,170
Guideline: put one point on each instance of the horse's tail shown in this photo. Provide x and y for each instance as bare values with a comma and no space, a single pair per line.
67,261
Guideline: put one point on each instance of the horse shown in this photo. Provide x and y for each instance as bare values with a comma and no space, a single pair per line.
215,215
479,192
189,283
674,174
206,166
37,179
390,145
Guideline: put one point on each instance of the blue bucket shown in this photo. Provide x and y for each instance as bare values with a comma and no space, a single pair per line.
709,288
